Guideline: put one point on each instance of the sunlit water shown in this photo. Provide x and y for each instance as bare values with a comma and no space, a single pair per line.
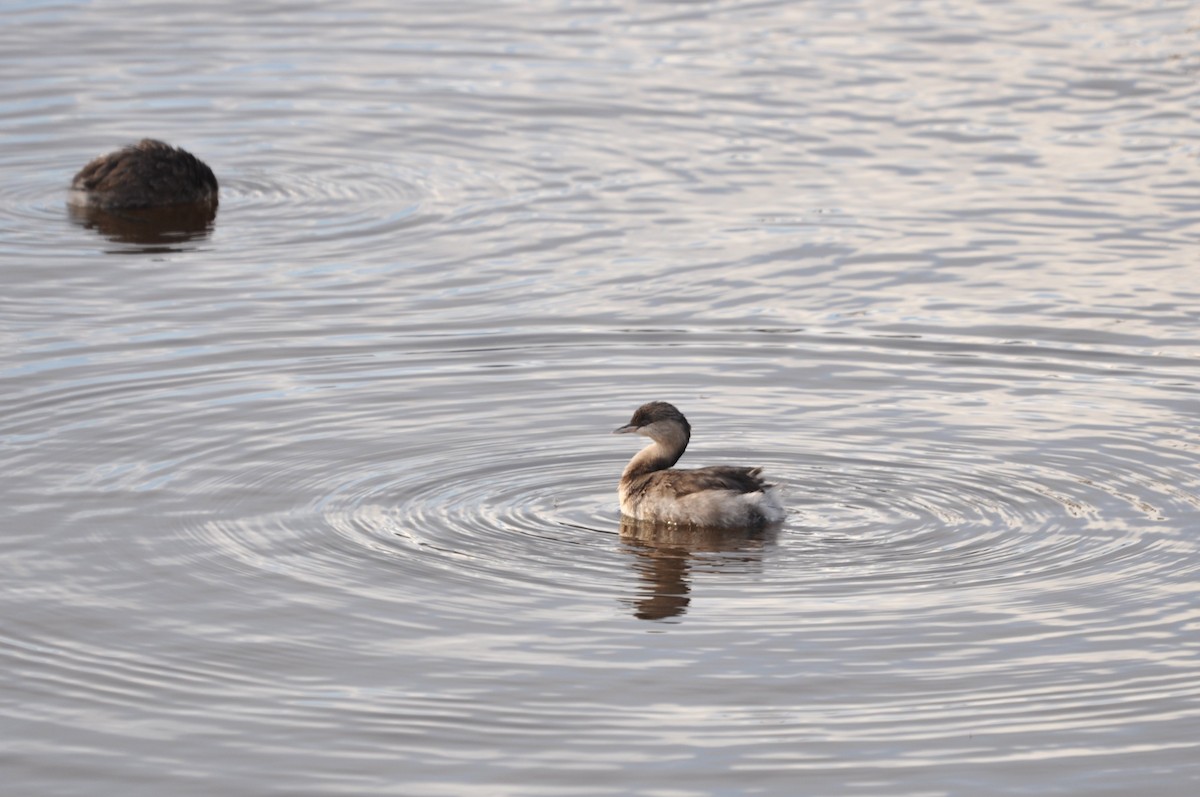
318,496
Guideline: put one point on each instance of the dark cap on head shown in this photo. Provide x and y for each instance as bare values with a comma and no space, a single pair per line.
653,412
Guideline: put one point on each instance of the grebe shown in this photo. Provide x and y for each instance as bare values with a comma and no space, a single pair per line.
720,496
147,174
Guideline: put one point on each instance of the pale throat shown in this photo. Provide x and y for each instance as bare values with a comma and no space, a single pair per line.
666,446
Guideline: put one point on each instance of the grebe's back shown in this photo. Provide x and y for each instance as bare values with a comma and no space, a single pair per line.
148,174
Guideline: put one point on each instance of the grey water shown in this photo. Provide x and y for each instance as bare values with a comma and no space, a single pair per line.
317,496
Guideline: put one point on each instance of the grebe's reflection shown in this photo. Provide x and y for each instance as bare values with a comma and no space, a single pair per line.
666,556
156,229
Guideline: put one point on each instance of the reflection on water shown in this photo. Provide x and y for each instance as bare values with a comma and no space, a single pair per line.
666,557
153,230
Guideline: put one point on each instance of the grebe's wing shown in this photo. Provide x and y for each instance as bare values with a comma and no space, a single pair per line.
718,477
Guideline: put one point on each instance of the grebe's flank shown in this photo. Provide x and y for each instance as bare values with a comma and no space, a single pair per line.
147,174
721,496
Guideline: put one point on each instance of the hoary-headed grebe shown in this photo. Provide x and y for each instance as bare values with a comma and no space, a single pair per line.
148,174
720,496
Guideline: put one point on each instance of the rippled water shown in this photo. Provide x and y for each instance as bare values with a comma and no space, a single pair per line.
318,497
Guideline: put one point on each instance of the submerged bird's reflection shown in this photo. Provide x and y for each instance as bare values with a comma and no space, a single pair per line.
665,557
157,229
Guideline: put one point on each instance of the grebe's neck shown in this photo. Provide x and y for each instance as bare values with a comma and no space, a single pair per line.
667,444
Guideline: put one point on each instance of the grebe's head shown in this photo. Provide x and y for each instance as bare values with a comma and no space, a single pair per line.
659,421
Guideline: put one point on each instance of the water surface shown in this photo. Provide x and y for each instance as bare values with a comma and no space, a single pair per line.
317,496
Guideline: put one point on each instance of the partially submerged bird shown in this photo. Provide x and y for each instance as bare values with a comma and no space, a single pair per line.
720,496
147,174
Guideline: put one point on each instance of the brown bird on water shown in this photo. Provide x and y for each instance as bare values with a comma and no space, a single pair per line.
147,174
721,496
